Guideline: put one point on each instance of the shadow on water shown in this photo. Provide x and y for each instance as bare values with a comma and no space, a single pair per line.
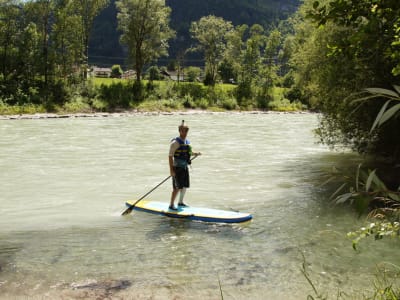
178,227
8,252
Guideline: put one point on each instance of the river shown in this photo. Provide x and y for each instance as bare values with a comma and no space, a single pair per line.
64,183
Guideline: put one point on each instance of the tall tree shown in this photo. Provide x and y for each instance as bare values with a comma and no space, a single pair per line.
88,10
67,38
41,13
10,13
211,35
345,47
145,31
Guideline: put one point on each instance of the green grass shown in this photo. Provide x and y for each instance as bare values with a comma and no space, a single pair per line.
106,81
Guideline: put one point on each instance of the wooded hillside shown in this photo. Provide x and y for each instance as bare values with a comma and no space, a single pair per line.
106,50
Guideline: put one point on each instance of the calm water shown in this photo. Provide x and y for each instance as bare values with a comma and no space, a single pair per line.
63,183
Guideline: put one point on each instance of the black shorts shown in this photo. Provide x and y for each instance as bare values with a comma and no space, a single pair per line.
181,179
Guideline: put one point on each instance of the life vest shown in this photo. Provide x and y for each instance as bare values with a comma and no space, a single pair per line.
183,153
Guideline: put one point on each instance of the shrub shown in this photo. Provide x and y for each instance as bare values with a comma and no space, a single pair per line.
202,103
195,90
188,102
154,73
116,95
229,103
192,73
116,71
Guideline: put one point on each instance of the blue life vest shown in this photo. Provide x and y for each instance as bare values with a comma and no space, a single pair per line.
183,153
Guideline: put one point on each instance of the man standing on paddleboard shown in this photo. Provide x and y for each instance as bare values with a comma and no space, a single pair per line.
180,153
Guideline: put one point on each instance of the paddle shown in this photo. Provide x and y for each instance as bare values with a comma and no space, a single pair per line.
130,208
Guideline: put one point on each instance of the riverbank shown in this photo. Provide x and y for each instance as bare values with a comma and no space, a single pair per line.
136,113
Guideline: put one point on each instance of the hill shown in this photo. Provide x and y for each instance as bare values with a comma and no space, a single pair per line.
105,49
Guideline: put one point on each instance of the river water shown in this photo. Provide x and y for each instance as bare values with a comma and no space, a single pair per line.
64,183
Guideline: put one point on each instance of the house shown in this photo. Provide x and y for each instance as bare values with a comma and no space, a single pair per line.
101,72
130,74
174,75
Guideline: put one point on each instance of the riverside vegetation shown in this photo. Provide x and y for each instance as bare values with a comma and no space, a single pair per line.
44,60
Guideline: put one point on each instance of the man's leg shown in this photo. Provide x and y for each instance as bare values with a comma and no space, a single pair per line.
173,196
181,196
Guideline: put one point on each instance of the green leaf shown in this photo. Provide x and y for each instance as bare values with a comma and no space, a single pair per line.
369,180
389,113
338,190
397,88
394,196
385,92
343,198
358,177
379,183
315,4
379,116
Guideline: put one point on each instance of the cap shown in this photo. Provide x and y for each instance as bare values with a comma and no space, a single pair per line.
183,125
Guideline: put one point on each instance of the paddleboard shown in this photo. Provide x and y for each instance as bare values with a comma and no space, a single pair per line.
191,213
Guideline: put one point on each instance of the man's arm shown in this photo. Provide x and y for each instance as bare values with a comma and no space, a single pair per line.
173,147
171,166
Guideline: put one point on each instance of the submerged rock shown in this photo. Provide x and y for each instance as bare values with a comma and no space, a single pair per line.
107,285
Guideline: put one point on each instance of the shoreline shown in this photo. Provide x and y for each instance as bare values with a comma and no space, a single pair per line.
41,116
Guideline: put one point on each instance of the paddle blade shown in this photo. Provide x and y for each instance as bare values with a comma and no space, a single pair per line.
127,211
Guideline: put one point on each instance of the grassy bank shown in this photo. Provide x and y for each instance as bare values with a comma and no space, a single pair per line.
110,95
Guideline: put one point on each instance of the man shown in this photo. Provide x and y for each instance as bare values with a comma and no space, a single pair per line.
180,153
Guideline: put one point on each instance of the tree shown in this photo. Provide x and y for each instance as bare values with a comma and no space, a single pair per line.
375,24
211,34
145,31
67,38
87,11
10,13
345,47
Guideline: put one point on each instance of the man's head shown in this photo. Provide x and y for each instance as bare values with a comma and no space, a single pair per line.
183,129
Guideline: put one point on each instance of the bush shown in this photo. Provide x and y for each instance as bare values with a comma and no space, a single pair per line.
154,73
192,73
243,91
116,71
229,103
195,90
116,95
188,102
77,105
202,103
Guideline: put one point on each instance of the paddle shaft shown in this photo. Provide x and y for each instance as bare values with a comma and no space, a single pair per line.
130,208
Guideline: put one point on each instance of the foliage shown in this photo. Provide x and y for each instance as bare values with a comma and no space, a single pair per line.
87,10
104,43
116,71
368,192
378,230
42,49
192,73
210,33
339,49
249,61
387,111
117,95
145,30
375,25
154,73
6,109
